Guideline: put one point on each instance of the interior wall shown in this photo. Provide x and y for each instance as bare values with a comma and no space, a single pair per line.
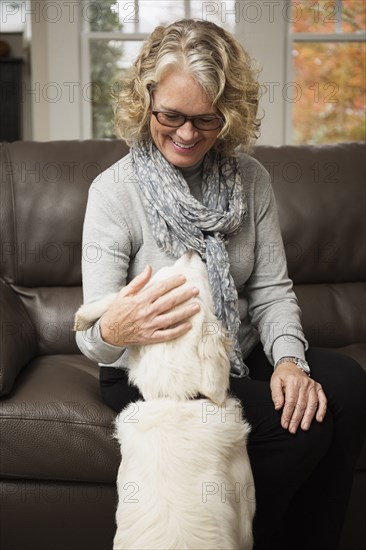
55,75
262,29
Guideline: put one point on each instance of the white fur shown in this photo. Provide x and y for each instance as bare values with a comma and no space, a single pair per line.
185,480
194,363
87,314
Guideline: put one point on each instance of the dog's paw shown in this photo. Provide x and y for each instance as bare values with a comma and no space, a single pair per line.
84,318
81,323
88,314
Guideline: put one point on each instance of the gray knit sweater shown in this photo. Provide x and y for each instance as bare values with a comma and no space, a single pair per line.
118,243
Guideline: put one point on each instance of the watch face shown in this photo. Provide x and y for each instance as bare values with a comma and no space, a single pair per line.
303,364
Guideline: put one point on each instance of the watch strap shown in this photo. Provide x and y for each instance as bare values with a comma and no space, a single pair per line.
300,363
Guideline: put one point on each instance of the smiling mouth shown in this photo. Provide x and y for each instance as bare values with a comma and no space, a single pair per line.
183,146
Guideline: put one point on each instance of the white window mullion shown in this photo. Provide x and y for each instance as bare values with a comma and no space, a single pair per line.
338,22
187,8
137,17
86,104
94,35
328,37
287,125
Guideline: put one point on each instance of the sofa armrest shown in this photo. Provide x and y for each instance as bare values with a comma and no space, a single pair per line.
18,338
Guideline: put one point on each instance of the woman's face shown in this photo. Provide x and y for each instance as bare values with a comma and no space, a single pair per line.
184,146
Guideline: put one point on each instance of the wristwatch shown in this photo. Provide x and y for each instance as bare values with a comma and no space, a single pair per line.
300,363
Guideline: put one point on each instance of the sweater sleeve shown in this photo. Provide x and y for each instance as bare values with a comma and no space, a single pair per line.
106,248
273,306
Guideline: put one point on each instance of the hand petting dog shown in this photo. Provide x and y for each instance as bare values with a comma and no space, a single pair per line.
141,315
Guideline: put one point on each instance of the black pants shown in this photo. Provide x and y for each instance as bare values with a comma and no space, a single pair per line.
302,481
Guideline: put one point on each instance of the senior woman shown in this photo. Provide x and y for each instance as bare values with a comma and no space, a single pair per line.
188,103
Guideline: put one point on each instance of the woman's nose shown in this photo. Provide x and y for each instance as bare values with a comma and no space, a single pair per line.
187,132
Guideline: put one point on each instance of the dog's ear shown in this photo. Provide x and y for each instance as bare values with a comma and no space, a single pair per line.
214,362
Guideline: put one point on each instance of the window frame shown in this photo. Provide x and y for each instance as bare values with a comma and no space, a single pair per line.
85,38
292,38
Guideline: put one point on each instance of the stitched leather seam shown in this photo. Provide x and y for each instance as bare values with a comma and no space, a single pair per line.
11,178
30,418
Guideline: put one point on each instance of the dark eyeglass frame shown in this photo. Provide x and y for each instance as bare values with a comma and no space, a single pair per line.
220,120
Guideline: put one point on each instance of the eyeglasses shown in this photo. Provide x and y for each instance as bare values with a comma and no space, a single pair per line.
175,120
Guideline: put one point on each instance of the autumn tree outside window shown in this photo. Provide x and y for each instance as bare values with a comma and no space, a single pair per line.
326,69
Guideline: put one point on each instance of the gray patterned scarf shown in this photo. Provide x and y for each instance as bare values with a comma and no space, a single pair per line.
180,223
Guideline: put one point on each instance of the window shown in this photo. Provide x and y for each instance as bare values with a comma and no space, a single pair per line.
11,17
112,34
326,71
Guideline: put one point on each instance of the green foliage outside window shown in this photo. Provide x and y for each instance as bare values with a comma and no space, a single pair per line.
105,56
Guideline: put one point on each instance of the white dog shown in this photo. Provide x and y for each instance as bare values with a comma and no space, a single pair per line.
185,480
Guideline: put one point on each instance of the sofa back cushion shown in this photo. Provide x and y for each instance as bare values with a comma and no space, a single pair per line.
44,189
320,192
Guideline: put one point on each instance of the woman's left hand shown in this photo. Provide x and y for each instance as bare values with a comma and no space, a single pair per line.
301,397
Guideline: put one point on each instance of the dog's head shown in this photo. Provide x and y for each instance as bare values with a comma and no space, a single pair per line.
192,364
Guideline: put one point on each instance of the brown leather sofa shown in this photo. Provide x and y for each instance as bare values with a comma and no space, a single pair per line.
58,461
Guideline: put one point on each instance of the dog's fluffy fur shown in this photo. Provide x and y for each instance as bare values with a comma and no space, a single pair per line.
185,479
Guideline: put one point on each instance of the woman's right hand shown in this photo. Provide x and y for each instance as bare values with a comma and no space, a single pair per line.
144,316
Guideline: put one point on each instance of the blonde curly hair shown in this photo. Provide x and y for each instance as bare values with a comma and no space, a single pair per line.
215,60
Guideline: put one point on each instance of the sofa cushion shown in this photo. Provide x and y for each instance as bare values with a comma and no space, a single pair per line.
51,515
358,353
51,310
16,328
54,425
44,191
321,193
333,315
